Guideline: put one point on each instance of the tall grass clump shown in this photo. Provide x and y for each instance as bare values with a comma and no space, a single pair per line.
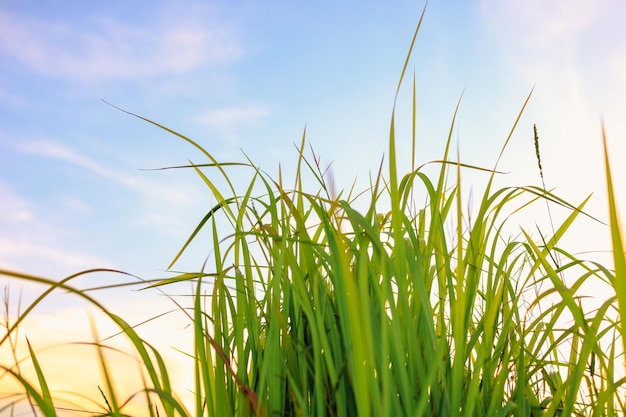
310,306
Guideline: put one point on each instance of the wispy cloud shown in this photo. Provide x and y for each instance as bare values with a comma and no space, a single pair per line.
51,149
164,201
31,241
28,242
18,255
113,49
54,150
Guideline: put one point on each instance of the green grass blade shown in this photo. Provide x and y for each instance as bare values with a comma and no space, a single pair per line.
45,391
44,405
619,256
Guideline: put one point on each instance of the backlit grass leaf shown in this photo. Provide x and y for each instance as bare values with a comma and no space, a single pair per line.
619,256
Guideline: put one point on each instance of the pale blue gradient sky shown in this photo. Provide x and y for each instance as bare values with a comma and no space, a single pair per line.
245,75
248,75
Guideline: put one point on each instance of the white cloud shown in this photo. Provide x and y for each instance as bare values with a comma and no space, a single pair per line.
54,150
32,241
111,49
17,255
26,243
21,210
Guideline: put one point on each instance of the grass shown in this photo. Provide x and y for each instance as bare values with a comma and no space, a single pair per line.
312,307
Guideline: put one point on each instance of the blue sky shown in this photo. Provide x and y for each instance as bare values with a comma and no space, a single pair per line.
234,77
250,75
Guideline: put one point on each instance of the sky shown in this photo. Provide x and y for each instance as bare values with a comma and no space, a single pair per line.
76,189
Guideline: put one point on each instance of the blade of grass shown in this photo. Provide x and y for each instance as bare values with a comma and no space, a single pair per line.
45,391
619,256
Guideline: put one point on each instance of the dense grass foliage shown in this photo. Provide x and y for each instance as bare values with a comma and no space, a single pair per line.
309,306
